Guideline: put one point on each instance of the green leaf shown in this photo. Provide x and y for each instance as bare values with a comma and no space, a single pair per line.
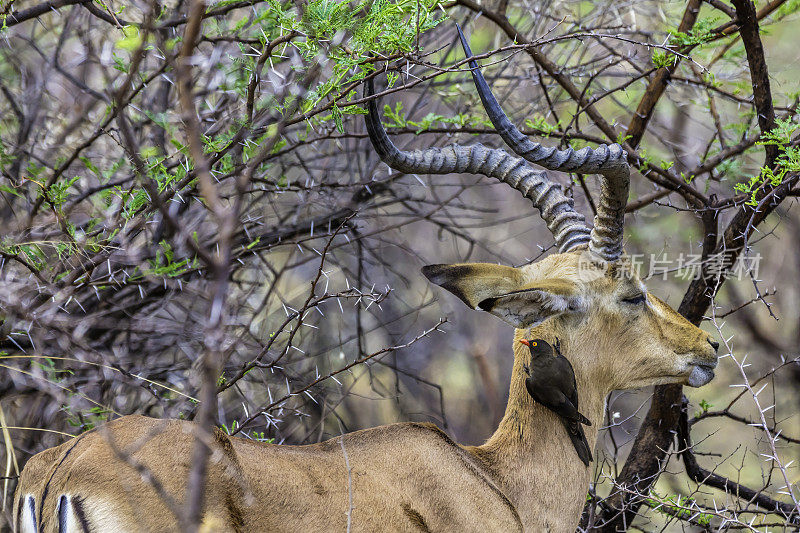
132,40
337,118
10,190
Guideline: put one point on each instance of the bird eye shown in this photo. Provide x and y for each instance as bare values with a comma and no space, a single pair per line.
638,299
533,343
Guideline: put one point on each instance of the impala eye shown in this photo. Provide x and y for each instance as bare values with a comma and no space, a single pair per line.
636,300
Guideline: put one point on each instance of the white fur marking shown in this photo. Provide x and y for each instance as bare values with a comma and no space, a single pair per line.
27,522
656,309
529,308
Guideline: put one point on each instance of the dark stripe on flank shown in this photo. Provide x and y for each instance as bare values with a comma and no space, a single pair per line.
62,514
40,526
80,513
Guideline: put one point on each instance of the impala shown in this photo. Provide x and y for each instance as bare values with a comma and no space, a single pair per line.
410,476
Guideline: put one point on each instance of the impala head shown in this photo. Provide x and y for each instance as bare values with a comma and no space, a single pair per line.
615,332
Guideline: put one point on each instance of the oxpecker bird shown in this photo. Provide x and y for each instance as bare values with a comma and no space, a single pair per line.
551,382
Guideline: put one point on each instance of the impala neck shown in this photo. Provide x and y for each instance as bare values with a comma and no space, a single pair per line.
531,455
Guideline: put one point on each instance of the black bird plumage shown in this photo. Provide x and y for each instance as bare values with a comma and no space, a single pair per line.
551,382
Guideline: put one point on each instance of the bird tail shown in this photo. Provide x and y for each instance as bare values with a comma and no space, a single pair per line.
578,438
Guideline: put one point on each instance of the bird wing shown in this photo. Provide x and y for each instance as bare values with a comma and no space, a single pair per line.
555,400
557,372
567,382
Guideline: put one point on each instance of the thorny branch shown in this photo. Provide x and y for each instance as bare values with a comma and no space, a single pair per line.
229,232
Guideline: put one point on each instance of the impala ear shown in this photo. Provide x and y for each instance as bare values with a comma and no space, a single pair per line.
500,291
474,282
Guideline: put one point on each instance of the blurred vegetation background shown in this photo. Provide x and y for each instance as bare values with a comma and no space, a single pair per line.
110,237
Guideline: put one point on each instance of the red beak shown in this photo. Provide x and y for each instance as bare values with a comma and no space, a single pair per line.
525,342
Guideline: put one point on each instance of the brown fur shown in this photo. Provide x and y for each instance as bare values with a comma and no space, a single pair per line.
405,477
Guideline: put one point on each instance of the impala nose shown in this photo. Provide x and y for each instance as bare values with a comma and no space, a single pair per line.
714,345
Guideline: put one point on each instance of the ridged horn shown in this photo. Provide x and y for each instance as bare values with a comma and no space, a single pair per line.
567,225
610,161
